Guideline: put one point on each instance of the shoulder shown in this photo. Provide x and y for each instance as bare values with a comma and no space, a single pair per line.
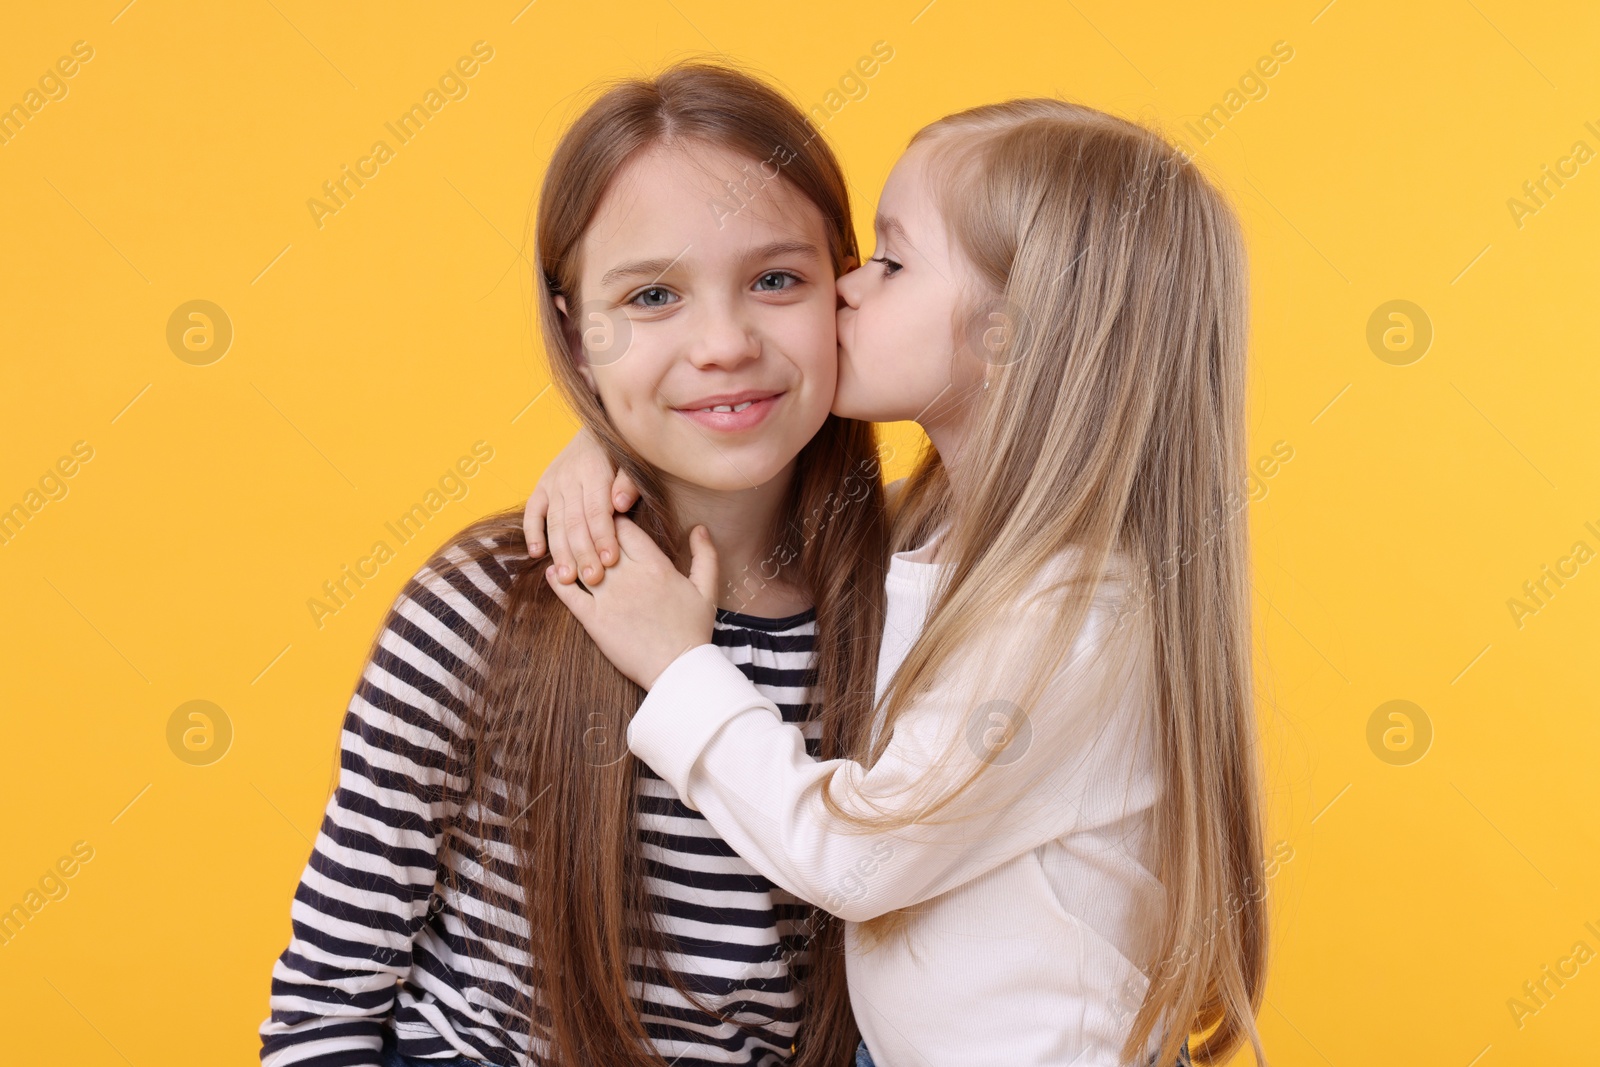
473,566
460,593
1113,629
1070,569
427,657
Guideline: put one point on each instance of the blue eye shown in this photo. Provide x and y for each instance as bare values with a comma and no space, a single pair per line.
780,275
653,297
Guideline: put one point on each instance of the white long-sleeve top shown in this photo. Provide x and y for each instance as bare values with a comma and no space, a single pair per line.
1034,898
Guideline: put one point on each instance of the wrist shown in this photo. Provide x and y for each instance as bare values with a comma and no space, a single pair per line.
667,663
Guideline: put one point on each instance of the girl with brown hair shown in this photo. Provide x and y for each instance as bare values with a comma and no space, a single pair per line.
497,880
1049,848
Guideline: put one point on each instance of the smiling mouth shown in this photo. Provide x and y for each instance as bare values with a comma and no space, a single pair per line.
730,418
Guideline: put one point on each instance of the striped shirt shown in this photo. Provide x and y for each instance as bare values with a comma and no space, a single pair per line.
381,939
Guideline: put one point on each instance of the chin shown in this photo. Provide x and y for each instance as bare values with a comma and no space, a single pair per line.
857,398
847,408
845,403
738,473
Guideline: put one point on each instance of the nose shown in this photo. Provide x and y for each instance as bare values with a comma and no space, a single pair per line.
849,289
724,339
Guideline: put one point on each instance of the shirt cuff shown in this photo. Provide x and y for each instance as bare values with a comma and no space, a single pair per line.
698,694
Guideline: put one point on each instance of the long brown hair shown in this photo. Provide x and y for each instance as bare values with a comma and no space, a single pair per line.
550,715
1112,302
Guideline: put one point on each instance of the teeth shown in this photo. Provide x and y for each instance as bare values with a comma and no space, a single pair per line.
730,408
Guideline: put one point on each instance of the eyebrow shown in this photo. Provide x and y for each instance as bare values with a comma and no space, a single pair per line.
655,268
780,249
648,268
891,226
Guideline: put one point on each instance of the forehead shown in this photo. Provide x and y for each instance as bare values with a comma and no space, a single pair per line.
700,201
907,204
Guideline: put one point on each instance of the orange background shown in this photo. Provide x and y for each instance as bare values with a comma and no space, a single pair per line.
1424,884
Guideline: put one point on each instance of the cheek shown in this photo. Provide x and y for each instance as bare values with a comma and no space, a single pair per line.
910,337
627,392
611,390
808,338
818,348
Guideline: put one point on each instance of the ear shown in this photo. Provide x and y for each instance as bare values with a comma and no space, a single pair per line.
561,305
851,263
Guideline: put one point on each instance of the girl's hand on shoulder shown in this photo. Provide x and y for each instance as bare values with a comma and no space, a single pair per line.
571,509
646,614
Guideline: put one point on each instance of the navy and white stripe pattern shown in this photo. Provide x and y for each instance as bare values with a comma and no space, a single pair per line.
381,938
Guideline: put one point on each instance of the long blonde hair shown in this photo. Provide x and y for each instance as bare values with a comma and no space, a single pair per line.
1113,311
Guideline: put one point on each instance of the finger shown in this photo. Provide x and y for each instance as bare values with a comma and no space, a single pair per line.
638,545
633,541
584,559
579,602
703,563
624,494
555,530
533,522
597,510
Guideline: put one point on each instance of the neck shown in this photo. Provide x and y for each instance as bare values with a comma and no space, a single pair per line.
740,521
